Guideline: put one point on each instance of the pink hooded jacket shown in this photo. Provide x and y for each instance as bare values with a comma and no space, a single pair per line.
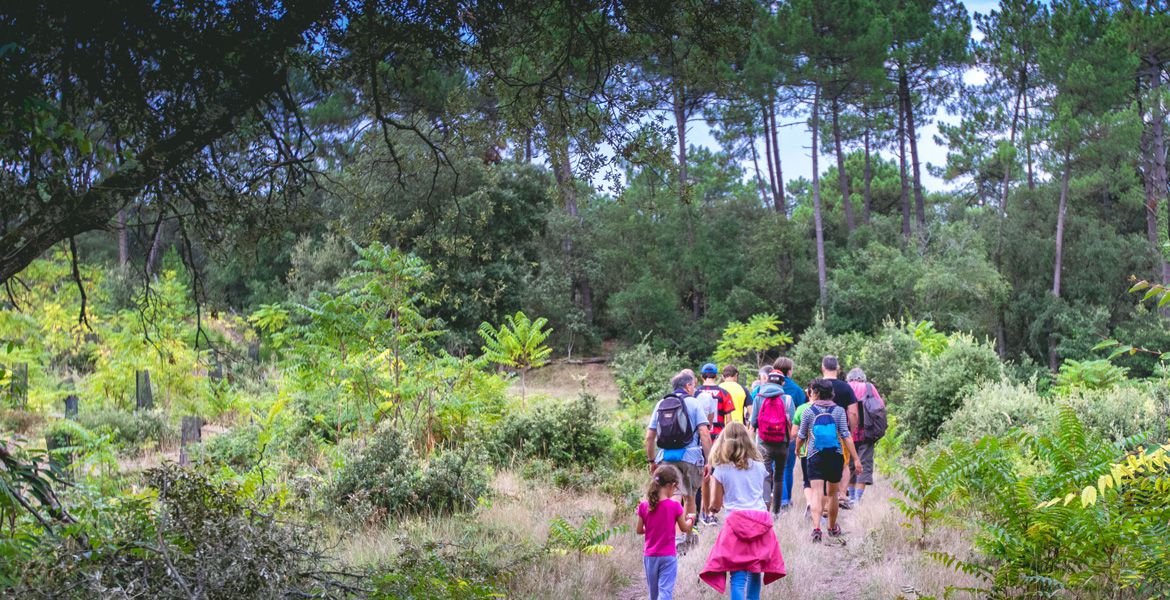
747,542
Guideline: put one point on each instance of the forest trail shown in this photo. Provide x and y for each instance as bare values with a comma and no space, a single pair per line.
878,561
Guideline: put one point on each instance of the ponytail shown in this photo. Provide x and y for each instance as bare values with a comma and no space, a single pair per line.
663,476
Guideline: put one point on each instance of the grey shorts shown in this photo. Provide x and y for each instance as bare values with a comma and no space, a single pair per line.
865,453
691,475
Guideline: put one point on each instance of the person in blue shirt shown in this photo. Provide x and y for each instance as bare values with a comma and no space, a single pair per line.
691,460
785,366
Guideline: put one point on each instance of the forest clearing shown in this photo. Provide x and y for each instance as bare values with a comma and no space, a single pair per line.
458,299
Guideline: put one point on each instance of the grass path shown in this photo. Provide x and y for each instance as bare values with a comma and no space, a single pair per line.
877,561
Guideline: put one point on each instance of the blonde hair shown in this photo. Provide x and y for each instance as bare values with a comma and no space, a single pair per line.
735,447
663,476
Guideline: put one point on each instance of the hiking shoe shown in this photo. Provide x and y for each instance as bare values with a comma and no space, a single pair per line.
835,531
816,536
845,504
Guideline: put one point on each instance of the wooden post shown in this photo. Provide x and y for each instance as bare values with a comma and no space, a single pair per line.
143,395
71,406
192,433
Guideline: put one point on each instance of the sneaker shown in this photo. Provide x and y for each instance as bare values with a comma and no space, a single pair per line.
845,504
816,536
712,519
784,508
835,531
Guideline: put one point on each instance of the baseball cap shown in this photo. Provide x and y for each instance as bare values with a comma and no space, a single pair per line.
709,369
775,377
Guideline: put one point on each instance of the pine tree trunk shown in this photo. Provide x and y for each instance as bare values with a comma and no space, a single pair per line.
768,156
756,165
842,176
822,276
902,171
123,240
1028,144
782,200
867,194
1061,211
680,122
912,135
566,185
155,253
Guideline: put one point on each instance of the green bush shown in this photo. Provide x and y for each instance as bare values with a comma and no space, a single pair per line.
816,342
996,408
129,430
567,433
1119,413
386,478
939,385
887,358
237,448
643,374
1089,375
19,421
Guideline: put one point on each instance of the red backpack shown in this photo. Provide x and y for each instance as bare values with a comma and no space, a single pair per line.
773,420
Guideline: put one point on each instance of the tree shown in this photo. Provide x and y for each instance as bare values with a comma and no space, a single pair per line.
753,338
517,344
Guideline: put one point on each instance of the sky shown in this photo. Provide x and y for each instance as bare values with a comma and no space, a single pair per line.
795,139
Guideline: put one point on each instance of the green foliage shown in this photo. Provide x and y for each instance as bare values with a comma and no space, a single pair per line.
753,339
387,479
890,451
926,486
940,384
816,342
19,421
474,567
1088,375
643,373
589,537
518,343
129,430
998,407
570,434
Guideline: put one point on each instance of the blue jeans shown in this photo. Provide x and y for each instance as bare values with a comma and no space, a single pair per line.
661,572
746,586
789,467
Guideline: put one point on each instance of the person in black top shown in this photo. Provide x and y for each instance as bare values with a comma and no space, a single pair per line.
844,397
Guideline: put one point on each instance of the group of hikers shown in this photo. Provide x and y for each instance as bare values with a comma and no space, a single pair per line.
715,446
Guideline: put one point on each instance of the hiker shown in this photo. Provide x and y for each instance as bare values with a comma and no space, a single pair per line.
746,548
843,396
739,394
803,456
720,407
786,365
871,427
772,420
658,515
824,428
678,435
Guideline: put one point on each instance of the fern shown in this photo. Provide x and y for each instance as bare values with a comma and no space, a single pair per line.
589,538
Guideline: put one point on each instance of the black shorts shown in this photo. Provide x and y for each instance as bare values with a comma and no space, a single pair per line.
826,465
804,470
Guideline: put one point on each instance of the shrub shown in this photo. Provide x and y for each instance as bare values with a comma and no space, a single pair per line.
237,448
19,421
1119,413
643,374
569,434
1088,375
476,567
887,359
939,384
816,342
129,430
388,479
996,408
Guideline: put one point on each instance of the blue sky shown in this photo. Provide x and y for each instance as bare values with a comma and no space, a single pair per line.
795,141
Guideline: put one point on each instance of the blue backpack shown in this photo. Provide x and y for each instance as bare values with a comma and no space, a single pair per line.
824,429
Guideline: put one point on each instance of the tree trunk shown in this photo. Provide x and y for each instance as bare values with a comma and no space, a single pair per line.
760,185
1000,317
842,176
1158,176
680,122
822,277
123,240
902,171
1027,143
912,135
1061,211
782,201
567,187
768,156
867,194
154,255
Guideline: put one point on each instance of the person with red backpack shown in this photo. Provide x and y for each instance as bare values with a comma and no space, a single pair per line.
870,428
772,420
724,406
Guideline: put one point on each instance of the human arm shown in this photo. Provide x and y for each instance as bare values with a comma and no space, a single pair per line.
651,452
685,522
641,527
851,415
853,453
705,441
715,503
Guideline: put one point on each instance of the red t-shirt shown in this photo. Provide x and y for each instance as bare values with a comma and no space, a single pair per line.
660,526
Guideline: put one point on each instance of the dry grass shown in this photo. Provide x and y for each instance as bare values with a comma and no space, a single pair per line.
560,380
878,561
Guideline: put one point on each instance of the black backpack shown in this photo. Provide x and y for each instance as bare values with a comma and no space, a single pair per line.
874,420
675,430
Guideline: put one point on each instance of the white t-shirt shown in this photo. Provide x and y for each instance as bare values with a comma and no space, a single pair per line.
707,403
742,489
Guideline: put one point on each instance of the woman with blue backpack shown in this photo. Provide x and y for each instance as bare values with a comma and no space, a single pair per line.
824,428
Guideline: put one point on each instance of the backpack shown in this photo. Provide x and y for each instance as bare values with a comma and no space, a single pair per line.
824,428
874,419
675,430
723,406
772,421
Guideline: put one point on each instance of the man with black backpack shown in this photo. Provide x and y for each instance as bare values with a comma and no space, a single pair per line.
871,427
679,435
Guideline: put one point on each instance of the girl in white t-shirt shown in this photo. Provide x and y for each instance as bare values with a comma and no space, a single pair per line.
746,548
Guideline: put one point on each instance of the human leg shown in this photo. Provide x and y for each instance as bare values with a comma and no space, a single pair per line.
865,453
739,584
650,565
755,585
789,466
779,456
667,574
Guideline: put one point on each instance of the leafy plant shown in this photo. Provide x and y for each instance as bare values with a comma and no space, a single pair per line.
567,433
588,538
518,343
939,385
643,373
754,338
926,485
1089,375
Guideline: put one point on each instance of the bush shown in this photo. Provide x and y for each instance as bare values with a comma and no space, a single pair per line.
237,448
1119,413
19,421
643,374
997,408
129,430
388,479
939,384
816,342
887,359
568,434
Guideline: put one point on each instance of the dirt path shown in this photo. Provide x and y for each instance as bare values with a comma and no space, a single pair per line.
877,561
